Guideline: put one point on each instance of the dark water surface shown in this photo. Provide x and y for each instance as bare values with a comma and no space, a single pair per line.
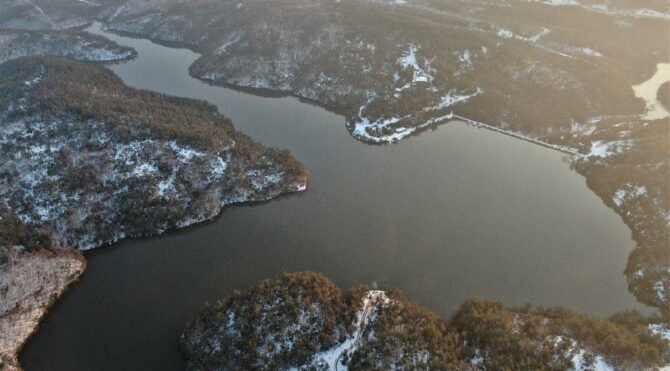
450,214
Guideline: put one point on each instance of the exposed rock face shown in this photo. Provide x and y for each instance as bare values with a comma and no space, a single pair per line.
91,161
76,45
303,322
29,284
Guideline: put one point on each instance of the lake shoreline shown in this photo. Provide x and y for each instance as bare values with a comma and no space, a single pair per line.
204,229
59,270
346,112
580,150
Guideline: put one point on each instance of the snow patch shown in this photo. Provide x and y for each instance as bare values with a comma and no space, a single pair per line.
332,358
603,149
409,60
630,192
660,329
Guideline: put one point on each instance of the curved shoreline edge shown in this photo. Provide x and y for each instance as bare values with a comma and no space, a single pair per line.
131,178
36,281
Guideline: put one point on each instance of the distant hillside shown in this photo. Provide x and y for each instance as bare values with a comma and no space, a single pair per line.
303,321
554,71
77,45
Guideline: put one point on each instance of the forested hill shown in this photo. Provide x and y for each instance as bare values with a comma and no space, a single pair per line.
303,321
78,45
91,161
86,161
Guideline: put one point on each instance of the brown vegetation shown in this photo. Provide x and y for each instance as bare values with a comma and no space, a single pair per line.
482,334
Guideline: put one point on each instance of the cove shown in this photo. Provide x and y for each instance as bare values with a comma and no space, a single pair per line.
450,214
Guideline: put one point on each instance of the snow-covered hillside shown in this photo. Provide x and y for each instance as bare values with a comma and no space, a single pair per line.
303,322
90,180
77,45
86,161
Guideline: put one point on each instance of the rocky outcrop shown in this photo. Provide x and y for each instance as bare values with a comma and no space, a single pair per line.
30,283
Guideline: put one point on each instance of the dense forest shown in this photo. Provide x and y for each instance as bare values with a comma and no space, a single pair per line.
15,233
303,320
72,44
78,144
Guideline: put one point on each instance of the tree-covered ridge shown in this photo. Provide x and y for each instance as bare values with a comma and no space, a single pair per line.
15,233
89,160
87,92
552,338
260,328
529,67
72,44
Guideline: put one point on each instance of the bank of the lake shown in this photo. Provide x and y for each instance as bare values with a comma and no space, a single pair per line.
445,216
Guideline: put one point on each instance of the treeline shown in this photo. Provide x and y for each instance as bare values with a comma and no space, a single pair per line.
13,233
277,324
88,92
16,43
482,334
94,120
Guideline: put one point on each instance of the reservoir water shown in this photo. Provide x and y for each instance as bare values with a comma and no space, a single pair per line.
451,214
